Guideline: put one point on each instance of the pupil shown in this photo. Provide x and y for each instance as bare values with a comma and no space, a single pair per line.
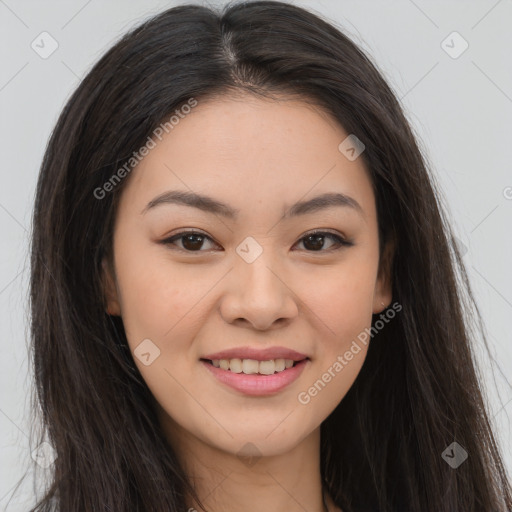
193,241
315,245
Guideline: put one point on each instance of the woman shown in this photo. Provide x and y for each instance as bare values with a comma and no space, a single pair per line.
245,294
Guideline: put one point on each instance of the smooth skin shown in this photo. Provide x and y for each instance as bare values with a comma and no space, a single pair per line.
194,298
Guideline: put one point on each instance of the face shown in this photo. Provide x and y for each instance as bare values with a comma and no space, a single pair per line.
259,277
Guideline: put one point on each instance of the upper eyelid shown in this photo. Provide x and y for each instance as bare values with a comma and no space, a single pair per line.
315,231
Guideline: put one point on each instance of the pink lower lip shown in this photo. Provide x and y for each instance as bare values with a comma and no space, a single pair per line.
257,385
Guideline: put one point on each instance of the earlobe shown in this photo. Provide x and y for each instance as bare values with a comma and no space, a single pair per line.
384,285
110,293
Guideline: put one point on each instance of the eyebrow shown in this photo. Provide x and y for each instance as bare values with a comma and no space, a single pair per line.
211,205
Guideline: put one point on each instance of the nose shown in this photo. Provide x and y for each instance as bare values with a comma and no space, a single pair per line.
257,294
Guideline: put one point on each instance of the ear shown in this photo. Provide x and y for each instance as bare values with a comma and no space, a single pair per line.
383,293
110,289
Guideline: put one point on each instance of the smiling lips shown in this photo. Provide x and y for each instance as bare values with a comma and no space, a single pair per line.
258,354
252,366
256,371
255,361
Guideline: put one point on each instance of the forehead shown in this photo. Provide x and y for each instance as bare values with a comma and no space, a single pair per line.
248,150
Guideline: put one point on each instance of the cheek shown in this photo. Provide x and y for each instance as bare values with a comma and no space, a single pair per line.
342,306
160,307
341,298
155,295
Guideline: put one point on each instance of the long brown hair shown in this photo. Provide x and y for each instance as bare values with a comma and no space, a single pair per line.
417,391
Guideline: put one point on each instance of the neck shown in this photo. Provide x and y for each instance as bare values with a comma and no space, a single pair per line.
225,481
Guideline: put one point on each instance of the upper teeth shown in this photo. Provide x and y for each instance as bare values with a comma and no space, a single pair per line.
250,366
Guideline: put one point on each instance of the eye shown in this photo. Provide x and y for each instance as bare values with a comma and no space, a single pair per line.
193,241
315,241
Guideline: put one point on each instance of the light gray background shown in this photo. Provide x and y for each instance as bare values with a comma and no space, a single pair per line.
460,108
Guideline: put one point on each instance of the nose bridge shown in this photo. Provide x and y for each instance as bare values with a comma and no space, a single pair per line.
255,268
259,293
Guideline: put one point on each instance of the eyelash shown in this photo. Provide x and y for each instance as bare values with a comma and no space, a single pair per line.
339,239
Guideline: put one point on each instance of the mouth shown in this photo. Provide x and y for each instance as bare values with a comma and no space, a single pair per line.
254,366
252,377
